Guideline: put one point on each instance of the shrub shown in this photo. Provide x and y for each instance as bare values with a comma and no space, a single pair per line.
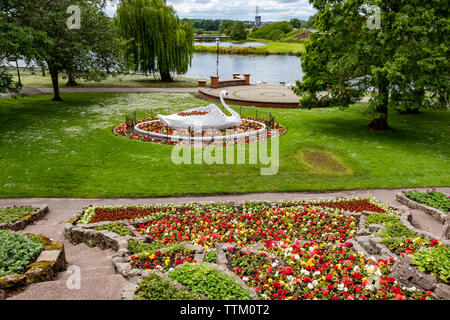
432,198
211,256
117,228
13,214
16,252
136,247
436,261
209,282
155,288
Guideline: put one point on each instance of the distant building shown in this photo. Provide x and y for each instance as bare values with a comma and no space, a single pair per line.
258,18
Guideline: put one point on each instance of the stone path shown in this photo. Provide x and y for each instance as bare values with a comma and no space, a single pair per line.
98,278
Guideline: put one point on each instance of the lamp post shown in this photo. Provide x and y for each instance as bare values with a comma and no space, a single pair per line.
217,61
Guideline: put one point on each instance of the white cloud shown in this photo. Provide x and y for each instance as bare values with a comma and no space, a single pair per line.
270,10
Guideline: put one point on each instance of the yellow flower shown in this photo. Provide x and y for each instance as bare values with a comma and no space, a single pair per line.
167,262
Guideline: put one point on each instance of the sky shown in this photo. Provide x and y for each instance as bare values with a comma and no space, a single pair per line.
270,10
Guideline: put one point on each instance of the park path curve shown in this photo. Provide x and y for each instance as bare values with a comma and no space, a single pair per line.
99,280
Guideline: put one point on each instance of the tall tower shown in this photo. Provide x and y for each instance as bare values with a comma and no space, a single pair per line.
258,20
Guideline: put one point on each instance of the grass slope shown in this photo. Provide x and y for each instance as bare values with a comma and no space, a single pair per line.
67,149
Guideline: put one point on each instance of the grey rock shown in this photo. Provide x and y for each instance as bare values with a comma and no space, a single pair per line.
443,291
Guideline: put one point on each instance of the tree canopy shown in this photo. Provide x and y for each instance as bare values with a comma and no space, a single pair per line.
88,51
275,31
404,64
238,32
157,40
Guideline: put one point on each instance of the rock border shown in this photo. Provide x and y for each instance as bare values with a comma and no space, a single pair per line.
23,222
51,260
438,215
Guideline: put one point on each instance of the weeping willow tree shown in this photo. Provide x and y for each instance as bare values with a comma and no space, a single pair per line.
157,41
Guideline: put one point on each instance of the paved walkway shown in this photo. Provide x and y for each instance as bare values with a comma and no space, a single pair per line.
98,277
37,91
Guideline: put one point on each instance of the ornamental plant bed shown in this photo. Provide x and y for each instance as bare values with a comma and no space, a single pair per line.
431,198
154,125
426,199
293,252
17,218
345,205
27,259
161,260
210,228
318,271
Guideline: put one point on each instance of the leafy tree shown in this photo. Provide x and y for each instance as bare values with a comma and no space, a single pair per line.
238,32
74,50
274,31
405,63
158,42
15,43
311,22
297,23
226,27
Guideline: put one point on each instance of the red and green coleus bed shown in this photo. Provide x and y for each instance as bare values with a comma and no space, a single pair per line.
313,271
160,128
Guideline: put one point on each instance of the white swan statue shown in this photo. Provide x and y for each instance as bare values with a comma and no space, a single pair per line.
209,117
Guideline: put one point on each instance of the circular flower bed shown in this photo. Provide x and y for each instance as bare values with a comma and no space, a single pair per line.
153,130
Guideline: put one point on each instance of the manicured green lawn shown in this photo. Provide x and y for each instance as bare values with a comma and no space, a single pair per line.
67,149
36,80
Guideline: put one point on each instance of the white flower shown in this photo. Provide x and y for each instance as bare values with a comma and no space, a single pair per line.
171,269
297,257
311,249
340,286
315,283
245,279
310,286
356,269
317,273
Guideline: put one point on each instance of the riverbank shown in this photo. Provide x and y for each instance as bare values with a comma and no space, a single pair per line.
271,48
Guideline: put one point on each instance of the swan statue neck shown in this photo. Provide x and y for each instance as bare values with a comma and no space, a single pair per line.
233,113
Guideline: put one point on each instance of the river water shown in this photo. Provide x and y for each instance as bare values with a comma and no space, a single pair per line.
269,69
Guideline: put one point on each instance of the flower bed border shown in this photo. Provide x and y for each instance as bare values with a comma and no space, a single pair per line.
23,222
50,261
437,214
365,242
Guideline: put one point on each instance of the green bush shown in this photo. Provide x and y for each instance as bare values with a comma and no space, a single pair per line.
209,282
274,31
116,227
436,261
137,247
16,252
432,198
13,214
394,228
155,288
211,256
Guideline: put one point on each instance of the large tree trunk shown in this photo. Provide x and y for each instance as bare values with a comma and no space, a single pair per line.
71,81
381,123
55,83
165,77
